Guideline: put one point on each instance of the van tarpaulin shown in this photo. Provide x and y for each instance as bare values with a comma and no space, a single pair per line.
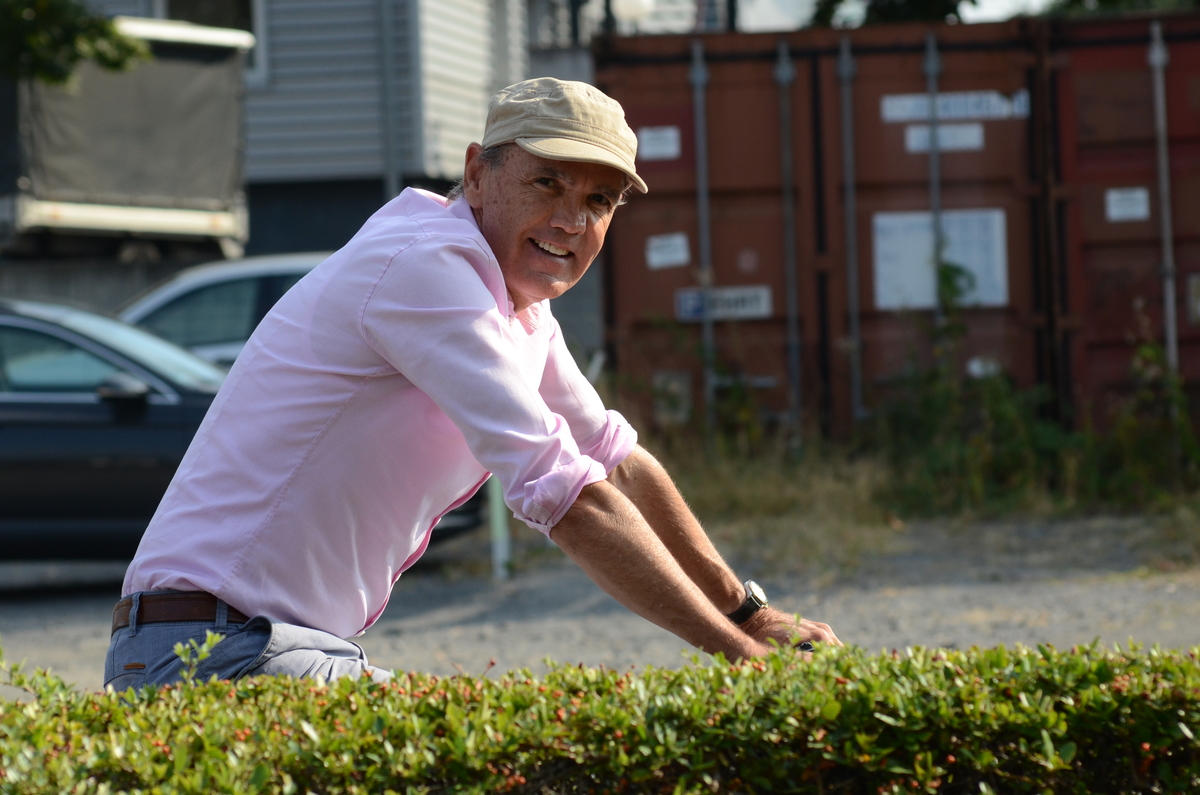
165,134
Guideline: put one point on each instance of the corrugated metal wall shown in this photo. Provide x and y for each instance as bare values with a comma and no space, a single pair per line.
456,59
130,8
319,116
510,33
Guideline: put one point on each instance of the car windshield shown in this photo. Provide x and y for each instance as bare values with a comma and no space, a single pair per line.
185,369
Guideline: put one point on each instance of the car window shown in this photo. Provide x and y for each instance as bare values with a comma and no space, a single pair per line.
37,362
224,312
160,356
288,280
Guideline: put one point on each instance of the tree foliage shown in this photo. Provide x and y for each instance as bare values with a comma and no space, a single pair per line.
891,11
46,39
1087,7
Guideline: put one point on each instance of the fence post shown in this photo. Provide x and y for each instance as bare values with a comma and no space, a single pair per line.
498,519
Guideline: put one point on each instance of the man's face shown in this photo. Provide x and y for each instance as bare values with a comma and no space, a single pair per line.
545,220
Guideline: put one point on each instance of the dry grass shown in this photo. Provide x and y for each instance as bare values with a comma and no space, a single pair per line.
821,518
1178,537
816,518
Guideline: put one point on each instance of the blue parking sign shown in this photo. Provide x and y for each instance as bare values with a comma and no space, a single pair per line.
689,303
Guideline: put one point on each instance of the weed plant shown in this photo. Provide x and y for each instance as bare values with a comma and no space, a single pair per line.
956,444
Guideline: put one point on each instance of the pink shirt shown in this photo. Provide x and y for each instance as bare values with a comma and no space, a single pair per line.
376,396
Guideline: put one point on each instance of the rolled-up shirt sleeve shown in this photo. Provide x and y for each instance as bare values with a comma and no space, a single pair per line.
434,316
601,434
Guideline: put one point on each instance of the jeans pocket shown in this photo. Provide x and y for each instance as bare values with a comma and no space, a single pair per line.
122,682
233,655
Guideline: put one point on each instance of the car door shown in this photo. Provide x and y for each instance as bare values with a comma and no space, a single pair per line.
87,446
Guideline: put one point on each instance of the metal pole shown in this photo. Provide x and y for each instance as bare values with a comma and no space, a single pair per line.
933,70
698,76
1158,59
785,76
731,15
387,47
846,72
498,521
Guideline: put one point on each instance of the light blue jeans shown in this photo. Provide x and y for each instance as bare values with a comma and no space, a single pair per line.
145,654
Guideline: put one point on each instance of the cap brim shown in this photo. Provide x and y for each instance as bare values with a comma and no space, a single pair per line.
579,152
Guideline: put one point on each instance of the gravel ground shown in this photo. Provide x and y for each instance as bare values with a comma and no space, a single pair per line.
953,585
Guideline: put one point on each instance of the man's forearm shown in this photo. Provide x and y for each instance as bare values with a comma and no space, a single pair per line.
648,486
611,541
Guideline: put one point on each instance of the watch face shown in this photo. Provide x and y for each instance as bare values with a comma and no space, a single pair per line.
756,591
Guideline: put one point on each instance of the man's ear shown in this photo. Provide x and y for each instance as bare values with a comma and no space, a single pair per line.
472,175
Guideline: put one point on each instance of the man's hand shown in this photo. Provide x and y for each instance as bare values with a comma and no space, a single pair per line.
637,539
769,623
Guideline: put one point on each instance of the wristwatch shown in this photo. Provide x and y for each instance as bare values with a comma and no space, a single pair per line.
756,599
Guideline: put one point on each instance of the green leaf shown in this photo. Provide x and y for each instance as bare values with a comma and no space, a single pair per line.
308,729
260,777
1047,746
1067,751
831,710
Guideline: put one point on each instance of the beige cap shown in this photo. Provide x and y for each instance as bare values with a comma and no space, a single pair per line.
563,120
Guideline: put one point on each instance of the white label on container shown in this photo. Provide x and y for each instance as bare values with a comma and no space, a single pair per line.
750,302
904,272
1127,204
956,106
659,143
951,137
667,251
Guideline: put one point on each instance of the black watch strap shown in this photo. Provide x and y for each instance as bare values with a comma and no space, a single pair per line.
756,600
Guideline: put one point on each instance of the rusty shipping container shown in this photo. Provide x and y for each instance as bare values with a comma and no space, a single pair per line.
787,240
1119,239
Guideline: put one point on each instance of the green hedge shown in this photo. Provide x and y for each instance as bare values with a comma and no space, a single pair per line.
936,721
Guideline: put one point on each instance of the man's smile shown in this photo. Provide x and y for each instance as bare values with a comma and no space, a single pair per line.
550,248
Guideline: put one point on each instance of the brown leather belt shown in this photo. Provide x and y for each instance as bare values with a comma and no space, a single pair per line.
156,608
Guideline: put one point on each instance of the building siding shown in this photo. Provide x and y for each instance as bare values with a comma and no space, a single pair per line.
319,114
510,37
123,8
456,58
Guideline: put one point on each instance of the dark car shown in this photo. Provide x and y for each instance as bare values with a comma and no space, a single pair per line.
95,416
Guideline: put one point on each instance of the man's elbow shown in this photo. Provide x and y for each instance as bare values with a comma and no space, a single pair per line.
594,508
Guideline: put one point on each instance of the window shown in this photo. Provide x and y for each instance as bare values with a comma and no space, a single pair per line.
250,15
225,312
35,362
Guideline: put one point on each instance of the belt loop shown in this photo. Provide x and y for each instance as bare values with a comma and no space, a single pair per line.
133,613
222,615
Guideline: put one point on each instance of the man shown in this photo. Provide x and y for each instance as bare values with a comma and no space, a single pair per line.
381,392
